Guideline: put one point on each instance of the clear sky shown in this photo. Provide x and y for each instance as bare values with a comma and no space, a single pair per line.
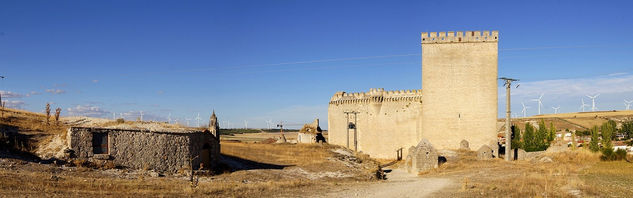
283,60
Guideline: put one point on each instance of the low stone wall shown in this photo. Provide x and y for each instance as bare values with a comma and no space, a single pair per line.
160,151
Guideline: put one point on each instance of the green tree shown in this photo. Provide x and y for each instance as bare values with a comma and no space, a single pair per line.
593,145
542,134
573,141
552,132
607,131
528,138
516,137
627,129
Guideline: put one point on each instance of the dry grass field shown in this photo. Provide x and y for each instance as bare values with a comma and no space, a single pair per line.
273,170
531,178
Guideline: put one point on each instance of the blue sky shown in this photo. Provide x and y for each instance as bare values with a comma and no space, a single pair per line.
283,60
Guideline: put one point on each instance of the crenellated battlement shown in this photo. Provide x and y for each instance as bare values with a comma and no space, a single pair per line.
460,37
376,95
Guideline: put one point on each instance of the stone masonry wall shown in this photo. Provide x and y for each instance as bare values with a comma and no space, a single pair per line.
387,121
161,151
459,79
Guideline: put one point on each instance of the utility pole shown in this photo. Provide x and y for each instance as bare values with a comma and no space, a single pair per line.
352,126
508,84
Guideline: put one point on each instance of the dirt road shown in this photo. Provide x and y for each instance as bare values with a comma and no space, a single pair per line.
399,183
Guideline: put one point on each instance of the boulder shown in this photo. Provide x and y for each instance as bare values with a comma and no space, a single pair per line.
484,153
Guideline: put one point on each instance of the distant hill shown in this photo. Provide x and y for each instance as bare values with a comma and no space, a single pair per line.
577,120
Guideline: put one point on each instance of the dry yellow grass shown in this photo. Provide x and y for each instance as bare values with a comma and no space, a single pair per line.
577,120
32,126
518,178
280,154
48,184
613,178
587,114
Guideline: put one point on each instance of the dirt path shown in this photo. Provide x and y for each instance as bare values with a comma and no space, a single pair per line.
399,183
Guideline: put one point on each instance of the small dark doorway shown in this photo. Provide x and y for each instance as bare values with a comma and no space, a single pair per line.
100,143
205,155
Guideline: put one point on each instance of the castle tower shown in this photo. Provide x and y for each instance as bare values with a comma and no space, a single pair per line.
214,128
459,80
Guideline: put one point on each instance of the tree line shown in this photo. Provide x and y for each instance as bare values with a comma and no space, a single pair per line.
533,139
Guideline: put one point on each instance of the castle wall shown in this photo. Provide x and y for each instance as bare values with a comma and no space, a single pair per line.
459,79
386,122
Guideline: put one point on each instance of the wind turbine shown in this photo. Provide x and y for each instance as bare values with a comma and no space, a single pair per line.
583,104
198,120
245,124
187,119
169,118
269,122
627,104
539,100
141,116
556,109
524,111
593,102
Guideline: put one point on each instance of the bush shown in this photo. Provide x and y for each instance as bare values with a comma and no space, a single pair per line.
120,121
609,155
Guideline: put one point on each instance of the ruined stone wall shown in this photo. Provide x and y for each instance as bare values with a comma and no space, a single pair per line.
306,138
459,79
386,122
161,151
198,143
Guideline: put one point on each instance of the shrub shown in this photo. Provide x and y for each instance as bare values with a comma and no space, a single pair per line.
609,155
120,121
57,112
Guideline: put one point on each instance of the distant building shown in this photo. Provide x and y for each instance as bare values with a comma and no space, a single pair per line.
164,151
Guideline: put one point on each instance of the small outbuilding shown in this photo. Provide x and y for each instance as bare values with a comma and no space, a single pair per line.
163,151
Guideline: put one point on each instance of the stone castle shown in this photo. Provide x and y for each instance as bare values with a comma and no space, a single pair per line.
458,101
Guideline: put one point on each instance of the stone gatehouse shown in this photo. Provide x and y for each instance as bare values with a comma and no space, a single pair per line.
142,149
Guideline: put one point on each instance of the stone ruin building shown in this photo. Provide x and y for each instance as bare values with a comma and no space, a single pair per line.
458,101
162,151
311,133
